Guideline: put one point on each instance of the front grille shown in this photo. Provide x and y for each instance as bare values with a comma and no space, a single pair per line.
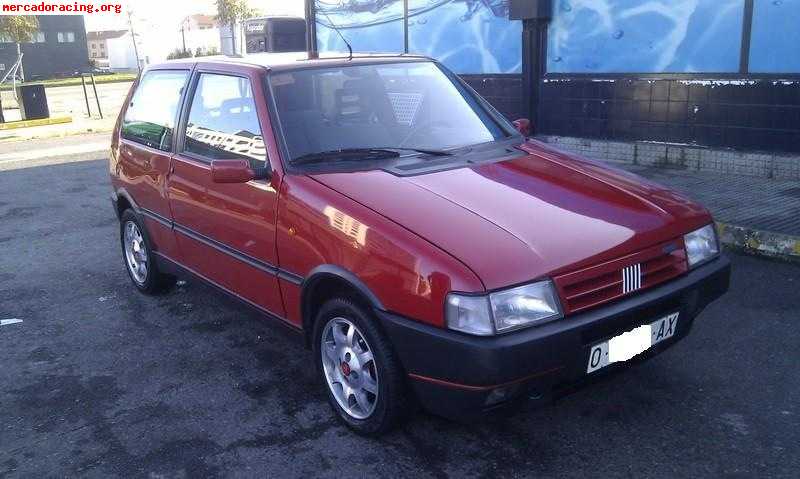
595,285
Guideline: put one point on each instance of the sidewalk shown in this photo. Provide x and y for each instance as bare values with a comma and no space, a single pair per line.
755,214
77,126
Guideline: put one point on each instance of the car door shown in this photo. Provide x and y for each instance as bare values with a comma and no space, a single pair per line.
144,150
226,232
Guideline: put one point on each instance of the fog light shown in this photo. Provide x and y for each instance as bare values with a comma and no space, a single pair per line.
500,394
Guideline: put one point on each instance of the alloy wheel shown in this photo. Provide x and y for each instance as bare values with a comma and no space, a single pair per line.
349,366
135,252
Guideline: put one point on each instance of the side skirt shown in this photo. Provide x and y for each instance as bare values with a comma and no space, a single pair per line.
170,266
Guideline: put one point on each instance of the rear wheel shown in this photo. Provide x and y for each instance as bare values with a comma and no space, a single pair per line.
138,255
358,368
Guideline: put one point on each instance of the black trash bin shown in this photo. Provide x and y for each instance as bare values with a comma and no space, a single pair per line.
32,102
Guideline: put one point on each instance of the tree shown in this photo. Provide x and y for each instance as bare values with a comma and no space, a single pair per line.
19,29
231,12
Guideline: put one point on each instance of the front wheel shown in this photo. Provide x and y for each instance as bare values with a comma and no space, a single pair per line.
358,368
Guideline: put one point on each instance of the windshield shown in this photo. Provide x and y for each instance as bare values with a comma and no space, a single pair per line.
411,106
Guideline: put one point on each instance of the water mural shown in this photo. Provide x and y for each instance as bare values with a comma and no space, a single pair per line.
469,36
645,36
775,37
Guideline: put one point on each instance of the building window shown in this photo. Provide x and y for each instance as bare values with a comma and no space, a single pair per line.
645,36
66,37
38,37
94,54
773,45
94,46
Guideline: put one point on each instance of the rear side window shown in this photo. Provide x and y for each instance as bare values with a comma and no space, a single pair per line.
150,117
223,123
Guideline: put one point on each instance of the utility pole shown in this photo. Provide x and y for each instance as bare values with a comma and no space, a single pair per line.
183,33
133,37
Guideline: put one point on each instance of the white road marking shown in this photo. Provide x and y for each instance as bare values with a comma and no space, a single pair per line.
55,151
6,322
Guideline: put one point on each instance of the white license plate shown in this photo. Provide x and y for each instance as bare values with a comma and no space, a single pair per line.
627,345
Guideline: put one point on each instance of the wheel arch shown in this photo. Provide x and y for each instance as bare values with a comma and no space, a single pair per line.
328,281
122,201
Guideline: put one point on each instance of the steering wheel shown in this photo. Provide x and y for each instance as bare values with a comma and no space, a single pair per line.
423,126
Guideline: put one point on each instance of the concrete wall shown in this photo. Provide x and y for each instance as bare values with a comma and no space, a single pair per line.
785,166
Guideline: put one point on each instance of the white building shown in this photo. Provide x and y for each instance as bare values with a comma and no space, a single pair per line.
97,45
201,33
122,55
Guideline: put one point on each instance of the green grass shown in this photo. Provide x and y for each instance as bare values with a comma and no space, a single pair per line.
57,82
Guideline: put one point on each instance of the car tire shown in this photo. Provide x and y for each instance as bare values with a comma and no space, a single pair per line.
390,404
137,254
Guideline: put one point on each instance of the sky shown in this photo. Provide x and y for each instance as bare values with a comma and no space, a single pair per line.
167,14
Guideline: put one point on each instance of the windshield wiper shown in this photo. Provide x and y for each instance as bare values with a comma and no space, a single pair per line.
425,151
345,154
379,153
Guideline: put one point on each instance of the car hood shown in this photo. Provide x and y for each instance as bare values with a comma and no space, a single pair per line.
543,213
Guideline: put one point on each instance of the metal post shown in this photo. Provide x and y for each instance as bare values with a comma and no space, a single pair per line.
21,69
534,47
311,29
86,96
405,26
97,98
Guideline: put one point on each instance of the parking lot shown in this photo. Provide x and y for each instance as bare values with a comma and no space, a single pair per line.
98,380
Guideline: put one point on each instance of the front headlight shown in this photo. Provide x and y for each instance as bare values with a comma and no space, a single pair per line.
503,311
701,245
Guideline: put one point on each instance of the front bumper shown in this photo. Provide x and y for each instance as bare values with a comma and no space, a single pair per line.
458,375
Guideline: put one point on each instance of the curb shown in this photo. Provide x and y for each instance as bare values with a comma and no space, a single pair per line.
57,134
12,125
764,243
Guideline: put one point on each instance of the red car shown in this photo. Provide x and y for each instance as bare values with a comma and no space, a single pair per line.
428,252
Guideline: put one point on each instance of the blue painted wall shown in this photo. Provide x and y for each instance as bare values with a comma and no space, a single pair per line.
645,36
775,40
469,36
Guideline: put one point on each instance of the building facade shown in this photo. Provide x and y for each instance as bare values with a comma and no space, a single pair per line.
97,44
58,49
709,74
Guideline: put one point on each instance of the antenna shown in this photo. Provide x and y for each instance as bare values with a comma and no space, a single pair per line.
333,25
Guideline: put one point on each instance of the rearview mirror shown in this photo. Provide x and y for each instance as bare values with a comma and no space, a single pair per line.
523,125
236,171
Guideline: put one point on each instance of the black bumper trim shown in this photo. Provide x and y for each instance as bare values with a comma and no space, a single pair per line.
449,366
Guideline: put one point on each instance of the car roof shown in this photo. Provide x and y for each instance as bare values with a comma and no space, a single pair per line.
294,60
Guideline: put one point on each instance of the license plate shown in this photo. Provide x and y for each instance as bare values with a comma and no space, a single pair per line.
627,345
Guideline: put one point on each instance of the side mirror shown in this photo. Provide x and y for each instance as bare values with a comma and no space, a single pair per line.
523,125
236,171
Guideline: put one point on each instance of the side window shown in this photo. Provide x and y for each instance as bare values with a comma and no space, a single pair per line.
223,124
150,117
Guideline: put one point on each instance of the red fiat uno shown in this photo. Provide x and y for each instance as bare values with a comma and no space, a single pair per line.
428,252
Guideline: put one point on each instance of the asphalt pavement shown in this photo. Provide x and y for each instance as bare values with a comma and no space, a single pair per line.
98,380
